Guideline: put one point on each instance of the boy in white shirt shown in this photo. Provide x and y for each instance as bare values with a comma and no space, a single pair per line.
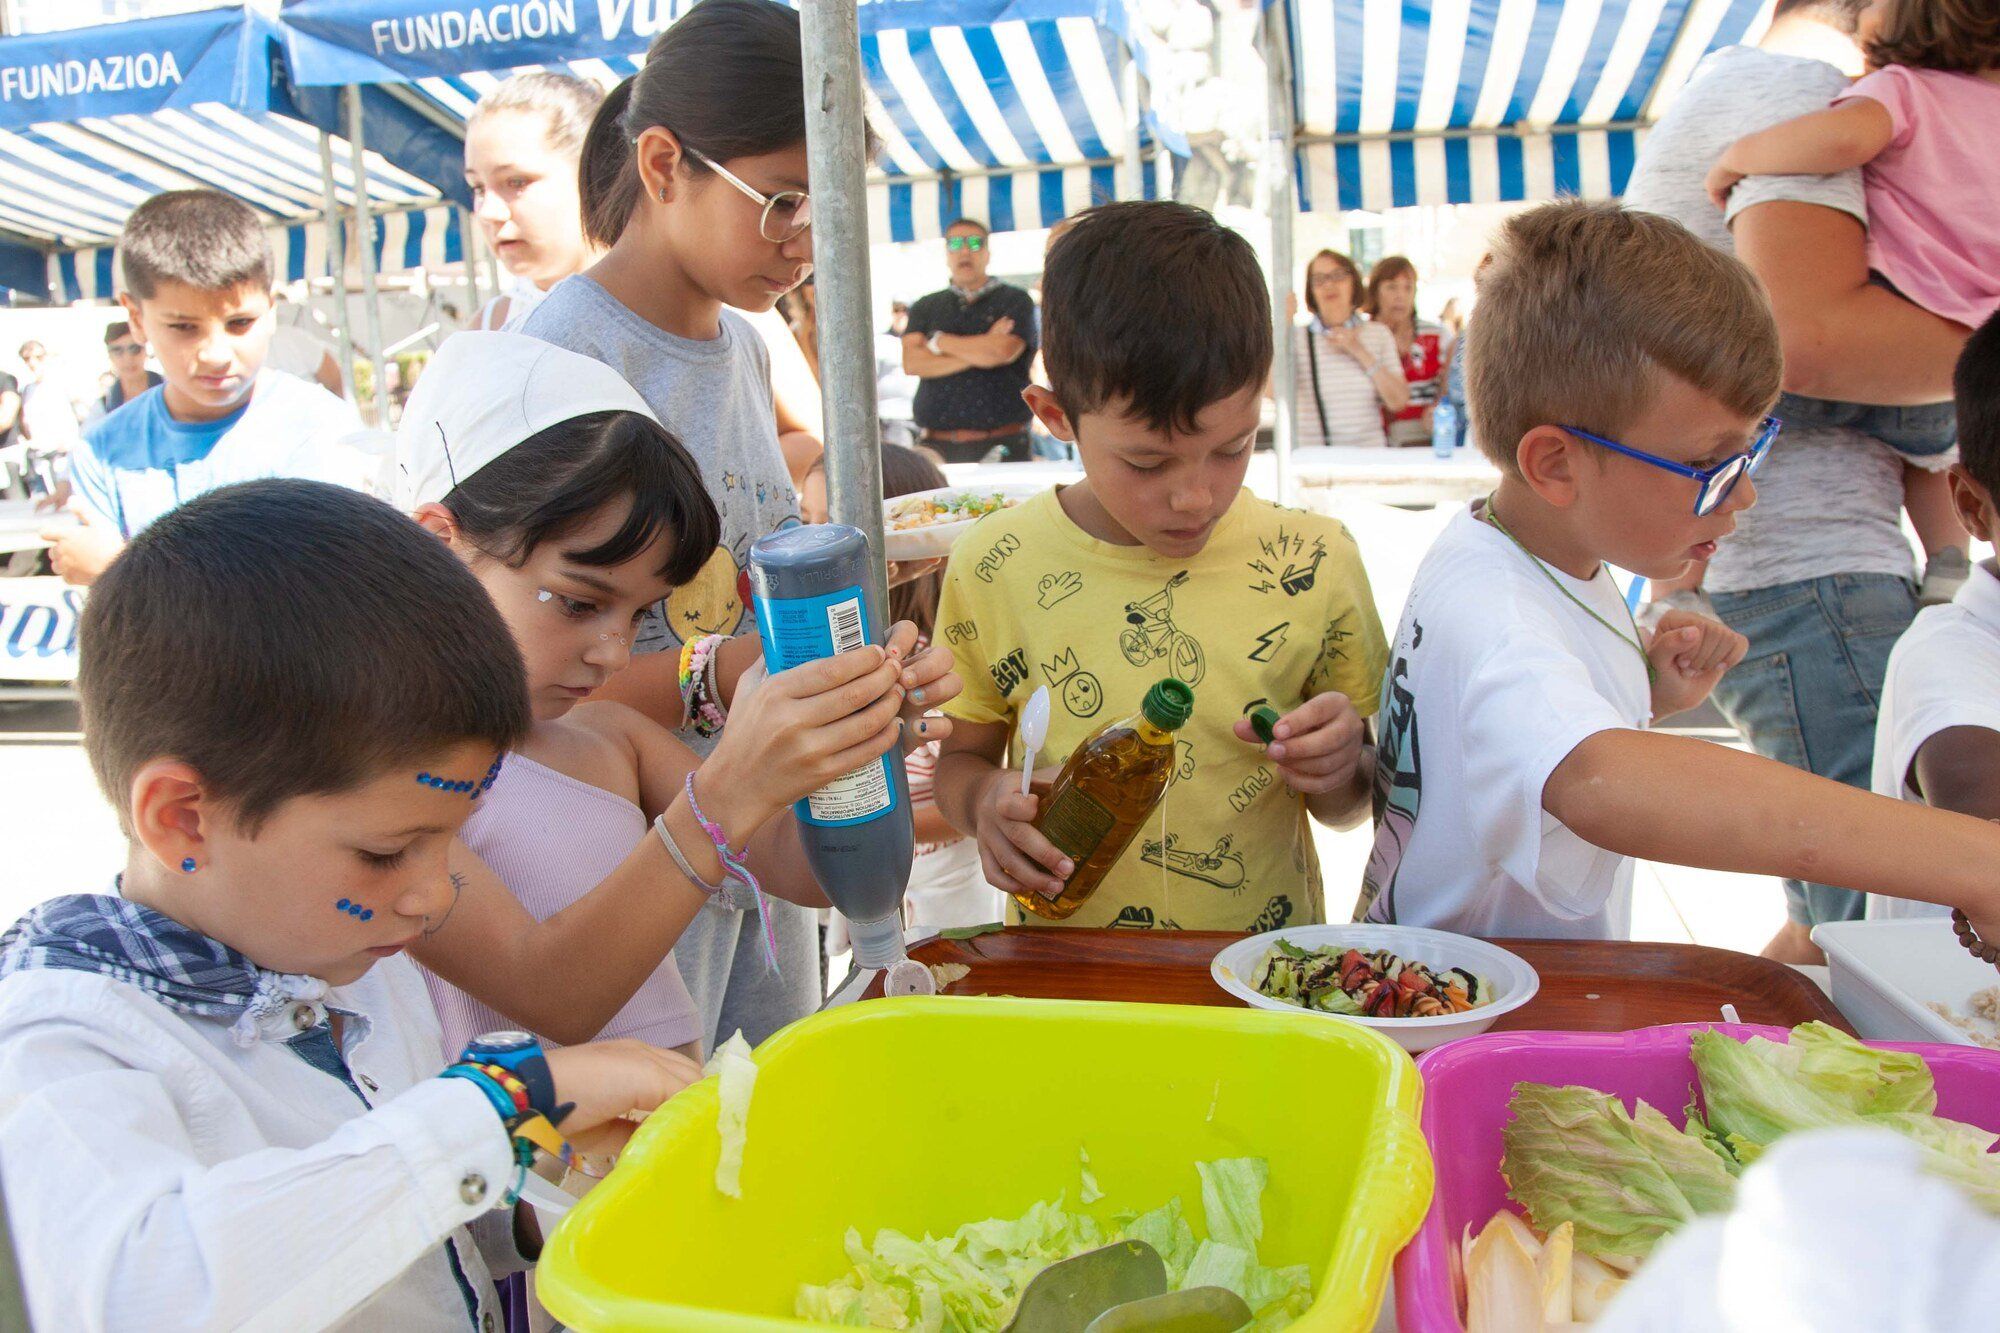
222,1102
1619,374
1938,738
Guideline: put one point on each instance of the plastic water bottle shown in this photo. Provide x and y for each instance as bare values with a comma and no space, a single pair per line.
1444,428
810,590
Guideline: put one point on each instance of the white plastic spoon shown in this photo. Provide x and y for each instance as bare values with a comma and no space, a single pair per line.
1034,730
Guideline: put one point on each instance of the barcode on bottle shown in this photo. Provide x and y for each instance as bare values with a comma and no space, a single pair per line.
843,619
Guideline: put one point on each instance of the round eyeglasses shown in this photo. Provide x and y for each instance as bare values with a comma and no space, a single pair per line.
786,213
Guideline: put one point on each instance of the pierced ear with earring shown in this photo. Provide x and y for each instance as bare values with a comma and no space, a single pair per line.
187,865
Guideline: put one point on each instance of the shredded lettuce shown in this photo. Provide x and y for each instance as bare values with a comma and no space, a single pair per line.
732,1060
970,1281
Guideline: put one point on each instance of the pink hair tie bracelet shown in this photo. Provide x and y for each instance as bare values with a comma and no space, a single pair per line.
734,867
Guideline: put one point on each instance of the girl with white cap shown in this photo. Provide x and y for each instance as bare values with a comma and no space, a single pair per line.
602,835
694,178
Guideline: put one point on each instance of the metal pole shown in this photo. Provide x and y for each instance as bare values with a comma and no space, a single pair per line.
336,263
364,224
836,156
1278,66
1132,171
468,253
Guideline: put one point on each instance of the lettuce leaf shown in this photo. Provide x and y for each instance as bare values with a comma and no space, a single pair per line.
1232,1197
732,1060
1625,1180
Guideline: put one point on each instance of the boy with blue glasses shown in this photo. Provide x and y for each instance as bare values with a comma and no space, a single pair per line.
1620,374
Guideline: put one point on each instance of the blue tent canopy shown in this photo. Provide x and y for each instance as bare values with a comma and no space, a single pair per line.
1005,109
95,120
1402,102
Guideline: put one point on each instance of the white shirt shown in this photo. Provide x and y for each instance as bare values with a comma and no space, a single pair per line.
296,352
1939,677
161,1177
1494,678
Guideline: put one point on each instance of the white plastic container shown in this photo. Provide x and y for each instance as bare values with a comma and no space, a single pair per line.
1884,973
1513,981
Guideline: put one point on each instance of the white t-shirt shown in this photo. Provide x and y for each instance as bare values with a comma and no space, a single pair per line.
296,352
1933,683
1494,678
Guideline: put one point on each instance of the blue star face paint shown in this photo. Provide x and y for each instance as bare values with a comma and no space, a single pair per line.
355,910
463,786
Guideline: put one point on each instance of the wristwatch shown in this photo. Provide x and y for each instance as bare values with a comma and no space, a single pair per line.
520,1054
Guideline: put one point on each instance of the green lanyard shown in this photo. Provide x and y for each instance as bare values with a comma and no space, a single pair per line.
1652,676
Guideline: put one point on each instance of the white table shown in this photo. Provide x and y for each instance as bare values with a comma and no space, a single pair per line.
1386,476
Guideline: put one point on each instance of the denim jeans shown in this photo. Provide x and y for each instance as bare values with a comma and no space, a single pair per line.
1807,692
1914,432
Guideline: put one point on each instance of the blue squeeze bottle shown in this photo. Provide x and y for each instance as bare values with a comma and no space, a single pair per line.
809,588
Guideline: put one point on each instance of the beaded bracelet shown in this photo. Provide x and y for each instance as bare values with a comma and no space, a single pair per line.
1961,926
734,867
701,698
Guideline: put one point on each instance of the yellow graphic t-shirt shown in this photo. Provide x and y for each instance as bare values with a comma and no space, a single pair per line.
1274,609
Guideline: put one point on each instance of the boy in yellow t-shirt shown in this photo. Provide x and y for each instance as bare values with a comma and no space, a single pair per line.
1157,339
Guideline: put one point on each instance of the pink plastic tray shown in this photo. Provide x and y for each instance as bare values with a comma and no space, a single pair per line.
1466,1088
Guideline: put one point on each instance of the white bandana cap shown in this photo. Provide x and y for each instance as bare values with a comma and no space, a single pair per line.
484,393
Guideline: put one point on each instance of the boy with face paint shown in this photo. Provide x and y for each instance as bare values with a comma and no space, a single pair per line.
224,1103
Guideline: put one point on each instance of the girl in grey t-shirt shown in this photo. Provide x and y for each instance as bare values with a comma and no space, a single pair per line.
694,179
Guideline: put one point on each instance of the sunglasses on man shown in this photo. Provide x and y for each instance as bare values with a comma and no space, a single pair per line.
972,243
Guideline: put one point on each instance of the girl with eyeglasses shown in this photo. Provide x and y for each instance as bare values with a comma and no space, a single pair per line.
693,179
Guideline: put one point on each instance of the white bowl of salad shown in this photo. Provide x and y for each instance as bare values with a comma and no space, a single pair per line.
1418,987
924,524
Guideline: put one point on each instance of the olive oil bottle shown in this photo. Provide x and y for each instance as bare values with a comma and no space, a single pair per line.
1104,793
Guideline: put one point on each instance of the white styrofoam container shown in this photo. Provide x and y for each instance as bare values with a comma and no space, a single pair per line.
1885,972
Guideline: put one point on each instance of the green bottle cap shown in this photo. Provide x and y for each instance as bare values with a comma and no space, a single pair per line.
1168,705
1264,721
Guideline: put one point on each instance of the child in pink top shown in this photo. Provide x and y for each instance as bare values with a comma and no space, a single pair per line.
1921,127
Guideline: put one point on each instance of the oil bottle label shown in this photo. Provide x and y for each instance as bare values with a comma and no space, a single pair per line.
798,630
1076,824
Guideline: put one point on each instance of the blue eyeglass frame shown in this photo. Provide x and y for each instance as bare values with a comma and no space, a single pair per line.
1716,482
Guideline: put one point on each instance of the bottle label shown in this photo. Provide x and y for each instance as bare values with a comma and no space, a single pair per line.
798,630
1076,823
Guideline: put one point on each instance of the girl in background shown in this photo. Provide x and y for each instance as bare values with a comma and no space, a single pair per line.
522,144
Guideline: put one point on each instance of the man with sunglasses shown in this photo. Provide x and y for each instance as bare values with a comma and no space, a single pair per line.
130,378
972,346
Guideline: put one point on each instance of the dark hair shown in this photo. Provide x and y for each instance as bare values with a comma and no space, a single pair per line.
555,480
200,238
727,78
1347,266
973,223
905,472
289,638
1157,304
114,331
1842,14
1976,387
1961,35
1387,269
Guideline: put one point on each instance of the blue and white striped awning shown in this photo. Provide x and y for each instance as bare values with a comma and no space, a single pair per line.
1009,110
94,121
1402,102
426,238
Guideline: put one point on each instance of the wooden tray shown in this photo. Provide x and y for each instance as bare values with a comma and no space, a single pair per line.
1587,985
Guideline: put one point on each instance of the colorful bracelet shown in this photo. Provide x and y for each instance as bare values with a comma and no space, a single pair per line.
528,1125
734,867
701,697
